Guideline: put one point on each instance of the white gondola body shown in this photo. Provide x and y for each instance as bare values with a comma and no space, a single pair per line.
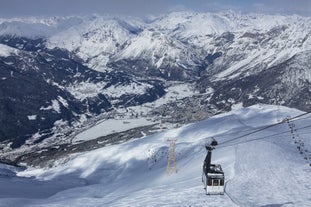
214,181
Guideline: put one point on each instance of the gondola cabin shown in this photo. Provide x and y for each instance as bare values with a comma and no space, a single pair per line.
213,176
214,181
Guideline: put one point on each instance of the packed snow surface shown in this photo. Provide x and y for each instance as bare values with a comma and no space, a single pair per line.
263,168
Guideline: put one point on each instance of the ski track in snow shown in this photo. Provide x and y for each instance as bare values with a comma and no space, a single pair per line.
264,172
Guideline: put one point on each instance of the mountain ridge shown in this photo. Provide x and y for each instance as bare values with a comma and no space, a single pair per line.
84,69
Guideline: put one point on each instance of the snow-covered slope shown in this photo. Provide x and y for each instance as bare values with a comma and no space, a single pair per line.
95,39
262,169
6,51
247,42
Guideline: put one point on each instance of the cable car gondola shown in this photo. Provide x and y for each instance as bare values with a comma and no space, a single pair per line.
213,176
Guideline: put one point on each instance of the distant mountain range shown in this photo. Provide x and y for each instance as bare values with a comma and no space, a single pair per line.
57,74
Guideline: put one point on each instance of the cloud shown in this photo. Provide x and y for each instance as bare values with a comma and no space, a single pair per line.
11,8
73,7
302,7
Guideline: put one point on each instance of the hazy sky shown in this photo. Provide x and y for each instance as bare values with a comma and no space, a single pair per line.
11,8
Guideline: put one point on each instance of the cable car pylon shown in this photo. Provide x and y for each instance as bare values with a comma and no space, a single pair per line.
171,157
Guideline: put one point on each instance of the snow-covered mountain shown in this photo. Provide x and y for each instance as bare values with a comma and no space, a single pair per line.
182,39
61,75
46,92
95,39
266,163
